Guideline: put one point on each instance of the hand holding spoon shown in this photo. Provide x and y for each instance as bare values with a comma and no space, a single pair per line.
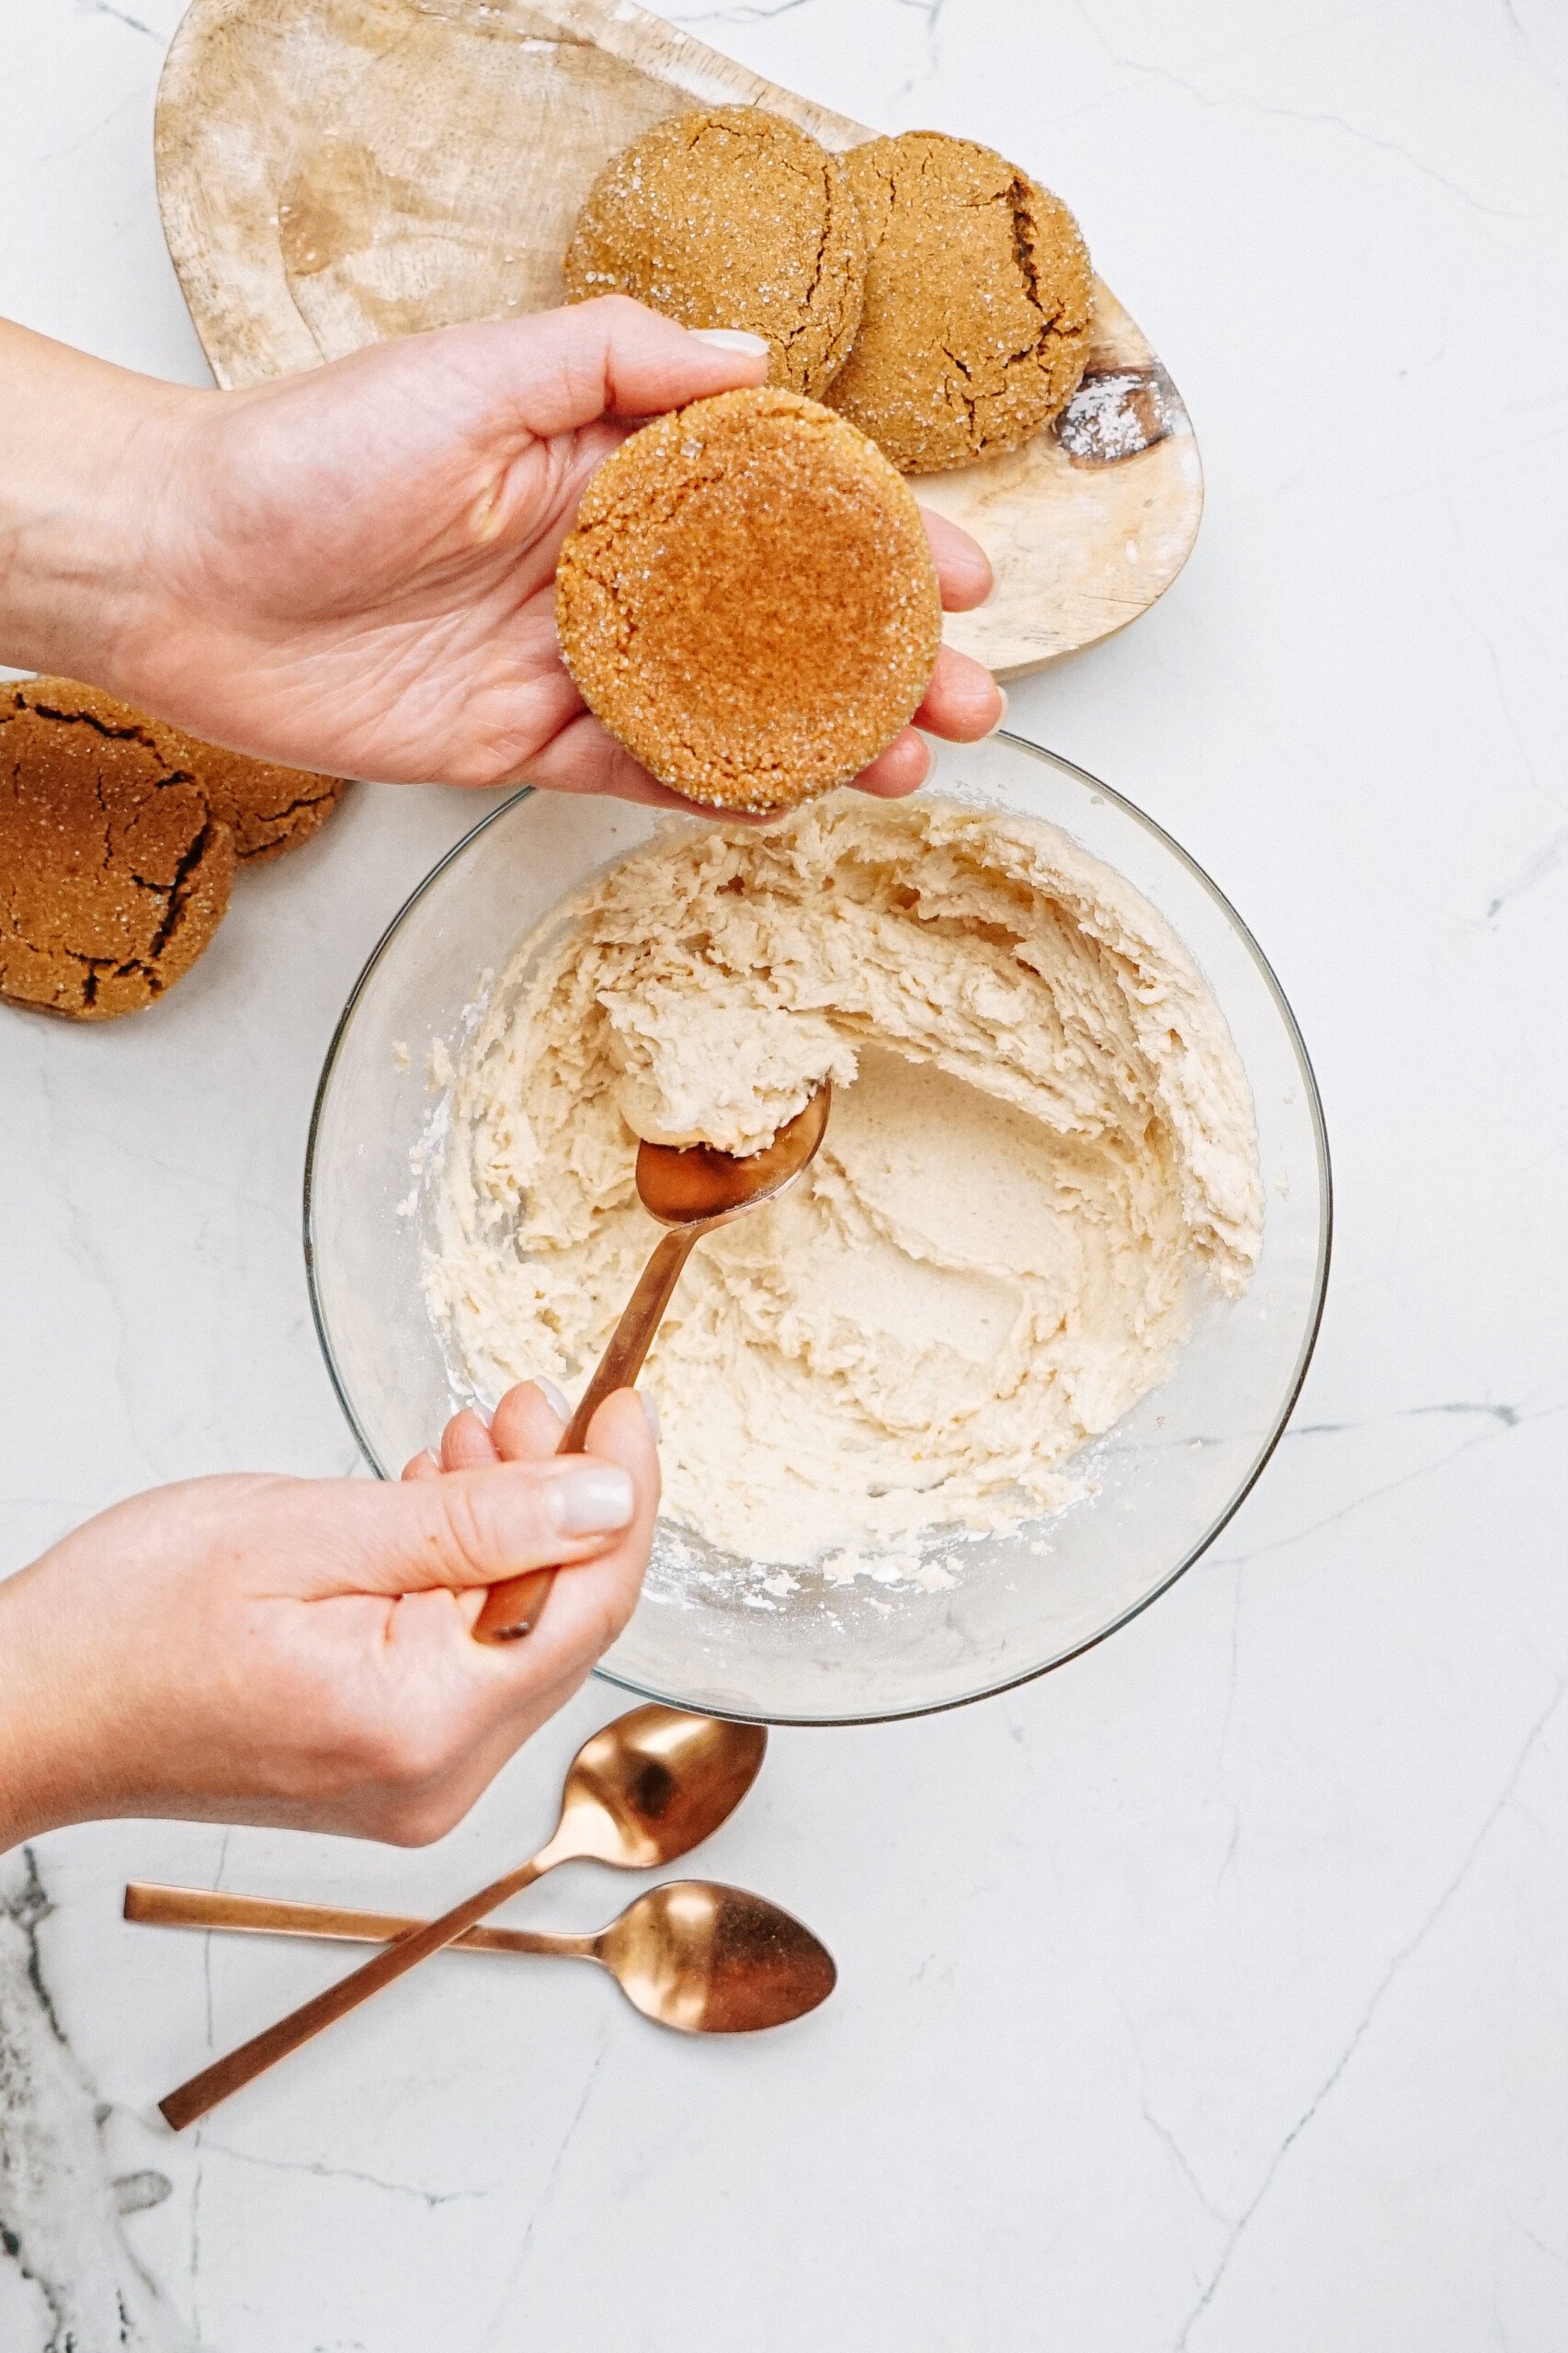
704,1959
645,1789
693,1191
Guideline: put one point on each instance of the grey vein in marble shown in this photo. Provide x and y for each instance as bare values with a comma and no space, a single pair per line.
1311,116
134,24
742,15
1162,2131
1384,1987
59,2210
430,2198
506,2305
932,12
1548,859
1505,1420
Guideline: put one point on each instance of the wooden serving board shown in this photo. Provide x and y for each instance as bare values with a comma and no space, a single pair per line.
335,173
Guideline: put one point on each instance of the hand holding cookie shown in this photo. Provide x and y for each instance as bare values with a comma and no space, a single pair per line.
354,570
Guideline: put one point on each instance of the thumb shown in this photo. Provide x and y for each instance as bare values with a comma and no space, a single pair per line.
473,1528
560,370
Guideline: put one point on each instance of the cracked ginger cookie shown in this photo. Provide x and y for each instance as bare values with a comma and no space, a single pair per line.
730,218
114,875
118,840
979,303
747,600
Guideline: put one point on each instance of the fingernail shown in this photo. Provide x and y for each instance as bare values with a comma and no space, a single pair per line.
992,593
557,1397
651,1407
755,346
477,1410
428,1454
592,1499
1001,718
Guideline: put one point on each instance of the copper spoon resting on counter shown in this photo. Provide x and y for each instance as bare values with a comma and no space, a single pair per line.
690,1954
694,1191
645,1789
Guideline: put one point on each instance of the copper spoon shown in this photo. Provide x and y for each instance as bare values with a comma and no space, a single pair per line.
693,1191
708,1959
649,1787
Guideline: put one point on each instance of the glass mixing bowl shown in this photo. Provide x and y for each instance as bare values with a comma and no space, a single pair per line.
1165,1479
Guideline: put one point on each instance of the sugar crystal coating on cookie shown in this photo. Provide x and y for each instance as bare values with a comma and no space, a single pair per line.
730,218
979,303
748,600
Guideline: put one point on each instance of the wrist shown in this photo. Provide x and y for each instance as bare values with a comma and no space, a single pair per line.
88,453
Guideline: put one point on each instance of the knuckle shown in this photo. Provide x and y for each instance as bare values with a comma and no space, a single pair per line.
487,1528
467,1527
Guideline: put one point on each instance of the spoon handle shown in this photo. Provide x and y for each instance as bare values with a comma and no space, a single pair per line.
261,1916
513,1608
228,2075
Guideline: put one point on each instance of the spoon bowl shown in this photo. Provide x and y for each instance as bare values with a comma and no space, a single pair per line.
708,1959
653,1785
694,1184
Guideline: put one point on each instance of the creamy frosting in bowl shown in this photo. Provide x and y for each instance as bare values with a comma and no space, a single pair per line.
1042,1160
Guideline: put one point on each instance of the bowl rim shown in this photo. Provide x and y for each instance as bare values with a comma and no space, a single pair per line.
1283,1412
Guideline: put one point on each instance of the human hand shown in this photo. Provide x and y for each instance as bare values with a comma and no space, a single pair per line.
299,1652
354,569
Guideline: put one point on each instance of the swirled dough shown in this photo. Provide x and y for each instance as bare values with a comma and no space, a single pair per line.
1042,1151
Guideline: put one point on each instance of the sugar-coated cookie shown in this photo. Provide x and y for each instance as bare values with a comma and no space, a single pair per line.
268,809
979,303
730,218
748,600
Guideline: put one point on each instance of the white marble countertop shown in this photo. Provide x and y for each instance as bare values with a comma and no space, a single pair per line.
1210,1992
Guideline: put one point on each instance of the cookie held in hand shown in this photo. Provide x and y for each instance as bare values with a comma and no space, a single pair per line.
730,218
748,601
979,303
119,837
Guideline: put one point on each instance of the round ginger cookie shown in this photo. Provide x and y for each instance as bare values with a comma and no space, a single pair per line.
747,600
730,218
114,875
979,303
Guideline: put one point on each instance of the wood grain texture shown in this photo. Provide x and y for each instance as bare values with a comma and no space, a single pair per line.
335,173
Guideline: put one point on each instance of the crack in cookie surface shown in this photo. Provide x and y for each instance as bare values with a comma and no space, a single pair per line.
979,303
